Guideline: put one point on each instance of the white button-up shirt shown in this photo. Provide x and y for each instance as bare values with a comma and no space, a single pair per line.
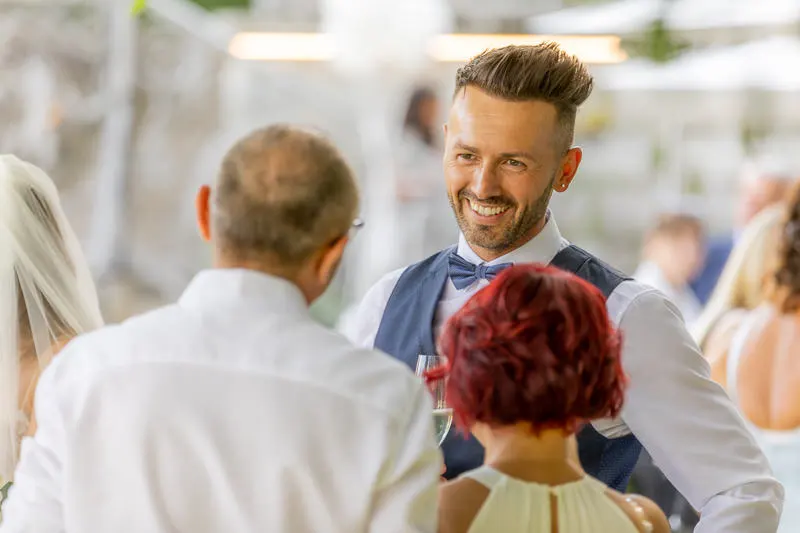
232,410
685,420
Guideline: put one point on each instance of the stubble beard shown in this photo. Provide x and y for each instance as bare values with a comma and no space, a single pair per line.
510,237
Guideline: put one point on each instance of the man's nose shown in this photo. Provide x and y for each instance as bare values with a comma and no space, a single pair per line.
486,183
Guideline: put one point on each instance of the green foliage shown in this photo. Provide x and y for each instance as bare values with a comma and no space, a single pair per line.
138,6
657,44
658,156
222,4
751,134
694,184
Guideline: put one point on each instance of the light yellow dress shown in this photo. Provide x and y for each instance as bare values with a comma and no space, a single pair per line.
515,506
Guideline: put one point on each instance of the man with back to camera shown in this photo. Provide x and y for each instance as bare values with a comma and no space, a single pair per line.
508,146
233,409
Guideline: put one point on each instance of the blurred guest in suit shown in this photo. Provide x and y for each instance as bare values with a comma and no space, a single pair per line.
763,183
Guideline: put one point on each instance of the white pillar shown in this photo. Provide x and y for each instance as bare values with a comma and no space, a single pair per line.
108,238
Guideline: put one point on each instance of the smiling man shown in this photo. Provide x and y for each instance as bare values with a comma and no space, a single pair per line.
508,148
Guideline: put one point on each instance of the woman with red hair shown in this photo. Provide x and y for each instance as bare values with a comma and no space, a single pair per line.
531,358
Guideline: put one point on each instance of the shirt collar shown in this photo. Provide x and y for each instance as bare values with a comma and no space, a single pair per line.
225,287
542,248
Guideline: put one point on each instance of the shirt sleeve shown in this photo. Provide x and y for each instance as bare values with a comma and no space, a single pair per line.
406,498
689,425
360,324
34,502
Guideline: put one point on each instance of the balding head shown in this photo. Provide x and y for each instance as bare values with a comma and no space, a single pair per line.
282,194
284,203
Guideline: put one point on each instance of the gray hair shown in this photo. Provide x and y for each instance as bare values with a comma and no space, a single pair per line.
282,194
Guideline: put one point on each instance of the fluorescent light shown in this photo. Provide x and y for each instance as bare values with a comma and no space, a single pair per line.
283,46
454,47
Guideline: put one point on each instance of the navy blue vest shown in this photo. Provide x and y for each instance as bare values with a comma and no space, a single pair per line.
406,330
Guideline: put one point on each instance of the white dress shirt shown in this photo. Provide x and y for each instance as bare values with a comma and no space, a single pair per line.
684,298
232,410
685,420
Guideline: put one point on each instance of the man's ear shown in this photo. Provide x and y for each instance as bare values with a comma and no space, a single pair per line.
331,259
569,167
202,207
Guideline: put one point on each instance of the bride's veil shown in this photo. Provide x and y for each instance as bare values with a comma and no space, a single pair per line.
47,294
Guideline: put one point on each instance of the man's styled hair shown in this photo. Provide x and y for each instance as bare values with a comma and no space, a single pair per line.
541,72
282,194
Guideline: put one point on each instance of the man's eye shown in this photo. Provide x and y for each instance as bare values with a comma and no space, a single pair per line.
515,163
466,157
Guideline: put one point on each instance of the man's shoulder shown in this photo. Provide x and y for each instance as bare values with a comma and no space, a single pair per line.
633,296
390,280
136,327
590,268
108,345
386,283
590,260
365,376
361,322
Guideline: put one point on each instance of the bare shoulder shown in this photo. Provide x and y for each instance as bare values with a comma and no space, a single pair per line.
644,514
721,334
719,343
459,503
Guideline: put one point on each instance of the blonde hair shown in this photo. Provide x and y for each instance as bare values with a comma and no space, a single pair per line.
741,284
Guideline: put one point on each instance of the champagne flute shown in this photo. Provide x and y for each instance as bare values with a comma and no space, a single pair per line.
442,414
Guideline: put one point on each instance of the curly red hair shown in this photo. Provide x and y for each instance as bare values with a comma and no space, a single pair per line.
535,346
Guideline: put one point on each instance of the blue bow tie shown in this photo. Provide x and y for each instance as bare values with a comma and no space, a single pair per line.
463,273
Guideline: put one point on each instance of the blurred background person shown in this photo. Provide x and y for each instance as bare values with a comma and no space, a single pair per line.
740,288
762,369
425,222
533,356
673,253
763,183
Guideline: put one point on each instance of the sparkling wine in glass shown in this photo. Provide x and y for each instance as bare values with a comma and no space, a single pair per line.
442,414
